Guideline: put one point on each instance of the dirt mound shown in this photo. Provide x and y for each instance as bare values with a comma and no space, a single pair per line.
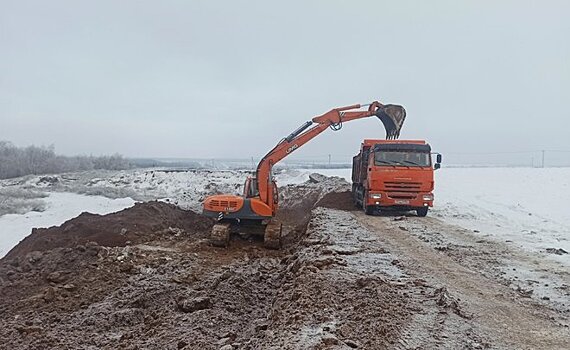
297,201
62,279
136,297
188,294
147,277
141,223
326,301
337,200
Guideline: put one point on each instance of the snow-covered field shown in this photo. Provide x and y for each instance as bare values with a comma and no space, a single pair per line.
60,207
523,206
526,206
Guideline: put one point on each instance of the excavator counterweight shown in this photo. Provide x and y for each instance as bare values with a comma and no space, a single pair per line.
259,204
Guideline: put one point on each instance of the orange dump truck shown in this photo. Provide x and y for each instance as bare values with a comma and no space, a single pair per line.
395,175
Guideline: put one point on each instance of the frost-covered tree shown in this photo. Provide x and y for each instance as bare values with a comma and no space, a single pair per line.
20,161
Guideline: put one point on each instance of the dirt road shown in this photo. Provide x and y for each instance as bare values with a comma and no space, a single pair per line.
471,270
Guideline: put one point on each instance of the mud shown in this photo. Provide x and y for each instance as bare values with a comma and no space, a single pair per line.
148,278
338,200
297,201
472,287
143,222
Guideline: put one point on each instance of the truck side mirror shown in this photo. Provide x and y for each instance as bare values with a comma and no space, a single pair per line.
436,166
438,158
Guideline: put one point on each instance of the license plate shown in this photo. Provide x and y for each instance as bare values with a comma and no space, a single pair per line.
402,201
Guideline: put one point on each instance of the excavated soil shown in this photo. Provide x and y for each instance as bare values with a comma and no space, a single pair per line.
337,200
148,278
143,222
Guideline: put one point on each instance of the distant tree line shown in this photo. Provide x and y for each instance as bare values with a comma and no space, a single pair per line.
20,161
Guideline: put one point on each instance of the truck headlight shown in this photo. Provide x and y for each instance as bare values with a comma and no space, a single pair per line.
375,196
428,197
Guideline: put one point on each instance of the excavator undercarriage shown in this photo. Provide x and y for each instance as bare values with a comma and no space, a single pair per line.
221,233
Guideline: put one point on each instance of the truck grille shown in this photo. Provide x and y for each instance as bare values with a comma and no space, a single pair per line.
402,186
224,204
402,195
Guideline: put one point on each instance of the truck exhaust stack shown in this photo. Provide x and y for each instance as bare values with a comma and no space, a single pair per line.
392,116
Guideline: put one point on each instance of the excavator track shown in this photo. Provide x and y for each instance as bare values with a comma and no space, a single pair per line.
272,236
220,235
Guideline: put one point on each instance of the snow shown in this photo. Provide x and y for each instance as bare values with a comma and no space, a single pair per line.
60,208
297,176
522,206
525,206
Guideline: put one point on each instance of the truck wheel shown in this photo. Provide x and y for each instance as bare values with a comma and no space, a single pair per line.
368,209
422,211
355,201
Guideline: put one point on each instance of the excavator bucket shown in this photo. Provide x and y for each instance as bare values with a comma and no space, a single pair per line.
392,116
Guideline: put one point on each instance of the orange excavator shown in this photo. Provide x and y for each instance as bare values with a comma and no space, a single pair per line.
256,209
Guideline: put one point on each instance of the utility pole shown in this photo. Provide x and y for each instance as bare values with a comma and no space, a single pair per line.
252,164
329,160
543,151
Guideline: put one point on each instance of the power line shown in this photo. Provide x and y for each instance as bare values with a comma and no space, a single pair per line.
506,152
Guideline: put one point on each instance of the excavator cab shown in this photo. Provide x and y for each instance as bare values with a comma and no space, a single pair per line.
250,190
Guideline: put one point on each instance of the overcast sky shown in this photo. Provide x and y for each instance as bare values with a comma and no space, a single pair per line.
230,78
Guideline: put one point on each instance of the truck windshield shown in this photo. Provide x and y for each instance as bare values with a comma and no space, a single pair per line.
388,158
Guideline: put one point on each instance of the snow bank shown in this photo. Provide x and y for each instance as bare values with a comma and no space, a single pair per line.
297,176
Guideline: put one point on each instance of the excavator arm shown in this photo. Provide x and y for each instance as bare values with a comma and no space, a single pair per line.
392,116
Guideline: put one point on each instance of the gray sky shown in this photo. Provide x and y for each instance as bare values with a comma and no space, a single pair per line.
230,78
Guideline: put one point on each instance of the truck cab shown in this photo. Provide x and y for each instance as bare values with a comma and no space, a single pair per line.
394,175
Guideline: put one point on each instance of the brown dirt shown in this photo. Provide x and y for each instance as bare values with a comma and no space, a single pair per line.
138,224
147,278
337,200
325,301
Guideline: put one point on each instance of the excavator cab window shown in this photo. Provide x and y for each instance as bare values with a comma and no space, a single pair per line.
275,193
250,188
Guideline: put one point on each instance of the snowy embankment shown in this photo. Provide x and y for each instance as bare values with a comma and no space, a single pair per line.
522,206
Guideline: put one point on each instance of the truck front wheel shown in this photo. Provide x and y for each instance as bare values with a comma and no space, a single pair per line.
422,211
368,209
